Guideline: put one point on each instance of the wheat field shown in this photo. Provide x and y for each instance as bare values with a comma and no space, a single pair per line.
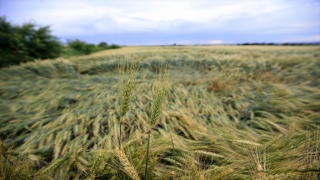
210,112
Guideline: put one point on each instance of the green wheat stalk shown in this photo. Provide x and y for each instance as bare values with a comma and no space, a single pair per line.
56,163
127,92
125,103
156,110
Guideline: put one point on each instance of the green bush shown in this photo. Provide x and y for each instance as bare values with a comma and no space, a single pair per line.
114,46
84,48
25,43
103,45
80,46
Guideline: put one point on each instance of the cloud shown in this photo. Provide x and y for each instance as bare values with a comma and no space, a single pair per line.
215,42
96,18
314,38
149,15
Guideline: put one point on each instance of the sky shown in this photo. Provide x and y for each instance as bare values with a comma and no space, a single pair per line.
152,22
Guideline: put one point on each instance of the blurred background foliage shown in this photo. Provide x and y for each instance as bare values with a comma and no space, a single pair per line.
27,42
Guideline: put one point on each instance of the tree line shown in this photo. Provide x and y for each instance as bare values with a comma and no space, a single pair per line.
27,42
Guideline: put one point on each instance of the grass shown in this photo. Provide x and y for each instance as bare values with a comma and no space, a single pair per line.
228,113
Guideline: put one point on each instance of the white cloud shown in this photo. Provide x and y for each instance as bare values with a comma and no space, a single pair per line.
315,38
85,18
146,15
216,42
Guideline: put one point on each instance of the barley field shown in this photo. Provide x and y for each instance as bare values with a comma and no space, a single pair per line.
174,112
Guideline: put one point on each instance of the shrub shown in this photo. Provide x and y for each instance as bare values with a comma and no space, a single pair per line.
25,43
78,45
114,46
85,48
103,45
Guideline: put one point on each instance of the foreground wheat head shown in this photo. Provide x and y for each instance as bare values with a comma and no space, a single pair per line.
126,98
128,72
157,107
127,166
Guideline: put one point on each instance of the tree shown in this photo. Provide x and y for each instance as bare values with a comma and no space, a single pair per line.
114,46
25,43
81,46
103,45
12,52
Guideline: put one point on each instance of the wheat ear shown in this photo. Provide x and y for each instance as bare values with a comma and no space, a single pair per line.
125,103
126,97
128,168
56,163
157,107
98,157
156,110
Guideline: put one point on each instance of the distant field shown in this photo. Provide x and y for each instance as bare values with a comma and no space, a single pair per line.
135,49
229,112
